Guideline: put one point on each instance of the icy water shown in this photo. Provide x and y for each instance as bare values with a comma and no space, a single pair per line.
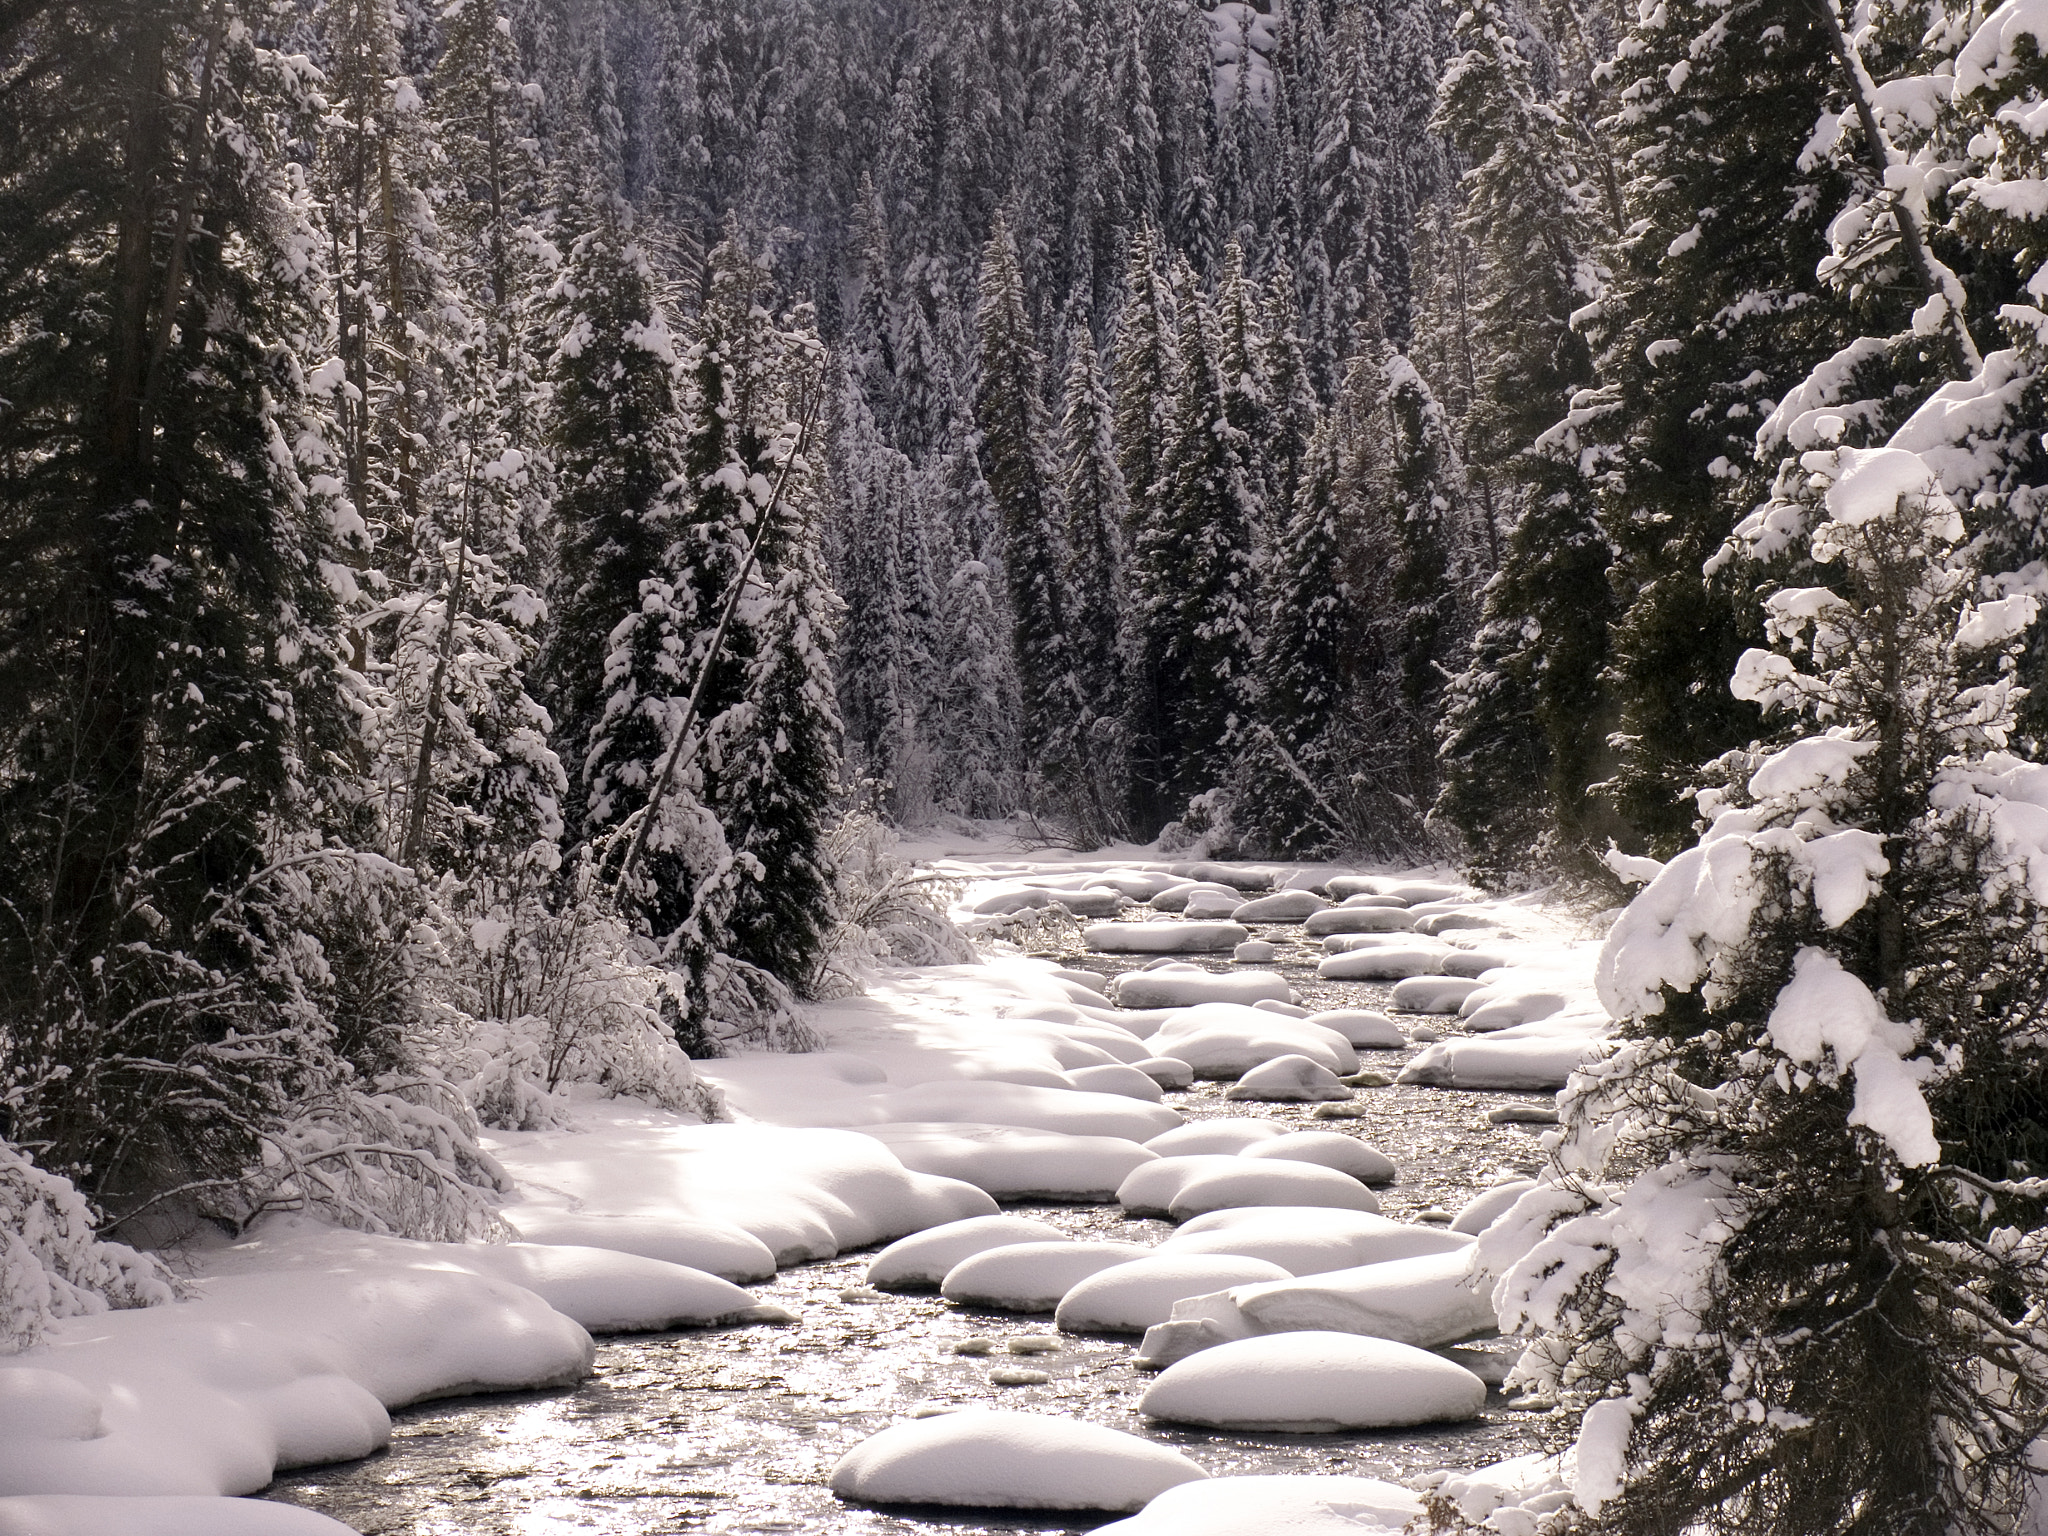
735,1430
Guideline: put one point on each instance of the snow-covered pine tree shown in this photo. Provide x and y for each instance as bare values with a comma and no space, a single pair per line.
1343,305
1199,570
769,721
178,740
1247,390
1713,310
1521,738
1789,1256
1097,508
1293,411
628,605
1017,465
1430,516
1144,374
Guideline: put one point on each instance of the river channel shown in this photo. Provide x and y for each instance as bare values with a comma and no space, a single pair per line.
735,1430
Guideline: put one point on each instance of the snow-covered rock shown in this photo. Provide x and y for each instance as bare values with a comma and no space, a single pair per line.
1222,1040
1382,962
1359,920
1444,922
1175,897
1238,877
1289,1080
1070,1112
1483,1210
1285,1010
1166,938
1280,907
924,1258
713,1247
265,1370
1472,962
1310,1242
1230,1135
805,1193
1203,905
1274,1506
1012,1163
1178,988
1308,1382
1367,1029
1169,1072
604,1290
1510,1060
1255,952
1115,1077
1030,1277
1329,1149
1268,1181
1432,994
1505,1004
1129,1298
1150,1190
98,1515
1425,1301
985,1459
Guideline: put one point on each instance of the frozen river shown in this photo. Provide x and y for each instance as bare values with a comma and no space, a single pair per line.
735,1430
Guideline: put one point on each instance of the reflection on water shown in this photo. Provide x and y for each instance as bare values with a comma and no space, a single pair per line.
735,1430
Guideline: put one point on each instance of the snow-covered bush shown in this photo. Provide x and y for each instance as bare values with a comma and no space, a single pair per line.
52,1266
543,995
1790,1257
886,912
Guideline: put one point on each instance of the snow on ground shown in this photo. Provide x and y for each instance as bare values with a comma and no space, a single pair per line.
939,1092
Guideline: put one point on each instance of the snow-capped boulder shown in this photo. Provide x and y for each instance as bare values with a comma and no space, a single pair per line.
1274,1506
1225,1136
985,1459
1115,1077
1366,1028
1432,994
1425,1301
1289,1080
1255,952
1310,1242
1280,907
1129,1298
1012,1163
1310,1382
1482,1211
1169,1072
923,1258
1176,988
1268,1181
1165,938
1030,1277
1359,920
1329,1149
1388,962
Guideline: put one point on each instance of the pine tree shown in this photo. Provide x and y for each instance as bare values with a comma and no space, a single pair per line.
1713,310
1097,510
1010,412
1145,373
771,727
175,660
1832,1086
1199,579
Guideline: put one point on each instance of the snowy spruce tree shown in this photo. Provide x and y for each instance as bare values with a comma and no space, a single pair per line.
183,791
769,716
1789,1258
1016,457
1197,570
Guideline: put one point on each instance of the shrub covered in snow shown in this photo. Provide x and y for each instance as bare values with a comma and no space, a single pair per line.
1790,1257
51,1265
885,911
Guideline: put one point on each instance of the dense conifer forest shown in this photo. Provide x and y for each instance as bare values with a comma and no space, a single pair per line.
505,503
